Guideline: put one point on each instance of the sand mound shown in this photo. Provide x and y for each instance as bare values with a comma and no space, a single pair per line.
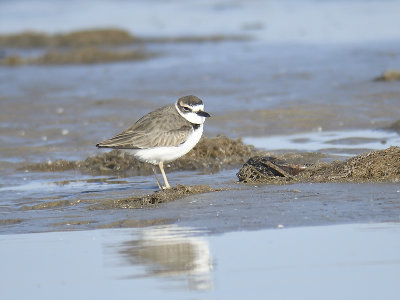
154,199
210,155
394,126
381,165
389,75
375,166
266,168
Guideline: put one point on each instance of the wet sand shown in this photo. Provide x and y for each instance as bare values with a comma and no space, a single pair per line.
225,206
88,47
53,178
210,155
377,166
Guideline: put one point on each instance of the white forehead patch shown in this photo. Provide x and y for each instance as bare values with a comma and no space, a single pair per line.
198,107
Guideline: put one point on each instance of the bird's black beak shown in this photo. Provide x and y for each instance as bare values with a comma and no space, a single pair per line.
203,114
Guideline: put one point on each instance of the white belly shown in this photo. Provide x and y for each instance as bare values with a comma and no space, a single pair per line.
167,154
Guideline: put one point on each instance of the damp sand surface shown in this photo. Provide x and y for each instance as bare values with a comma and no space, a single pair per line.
54,179
213,202
74,195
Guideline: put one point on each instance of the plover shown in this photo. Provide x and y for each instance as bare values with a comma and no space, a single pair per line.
163,135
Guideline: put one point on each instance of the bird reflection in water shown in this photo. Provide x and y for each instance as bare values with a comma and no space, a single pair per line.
172,252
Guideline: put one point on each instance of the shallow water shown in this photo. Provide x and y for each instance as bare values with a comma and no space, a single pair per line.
304,81
284,99
331,262
304,21
49,113
347,142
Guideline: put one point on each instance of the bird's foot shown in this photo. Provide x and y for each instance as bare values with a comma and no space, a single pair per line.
163,188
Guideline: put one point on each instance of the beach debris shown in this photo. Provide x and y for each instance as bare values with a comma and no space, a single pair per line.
262,168
90,46
389,75
210,155
154,199
395,126
374,166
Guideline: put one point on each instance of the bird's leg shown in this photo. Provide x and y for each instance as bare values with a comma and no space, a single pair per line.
161,165
155,174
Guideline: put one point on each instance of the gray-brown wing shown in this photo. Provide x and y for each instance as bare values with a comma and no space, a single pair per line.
160,128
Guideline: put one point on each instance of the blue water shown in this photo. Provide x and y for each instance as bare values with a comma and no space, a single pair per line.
346,142
325,262
306,21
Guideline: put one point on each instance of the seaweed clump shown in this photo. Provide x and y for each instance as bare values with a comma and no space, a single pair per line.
100,37
78,47
177,192
389,75
375,166
210,155
394,126
88,46
215,154
267,168
133,202
81,38
87,55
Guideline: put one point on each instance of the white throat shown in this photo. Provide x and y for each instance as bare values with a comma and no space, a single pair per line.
192,117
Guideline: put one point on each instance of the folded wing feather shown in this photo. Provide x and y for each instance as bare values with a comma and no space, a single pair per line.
152,130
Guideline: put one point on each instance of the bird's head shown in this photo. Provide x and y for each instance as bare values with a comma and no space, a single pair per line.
192,109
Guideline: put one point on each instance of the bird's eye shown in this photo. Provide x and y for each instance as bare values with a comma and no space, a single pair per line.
185,108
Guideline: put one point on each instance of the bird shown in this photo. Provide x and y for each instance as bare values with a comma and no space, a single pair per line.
163,135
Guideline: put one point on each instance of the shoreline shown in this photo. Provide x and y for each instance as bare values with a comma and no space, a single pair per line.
216,202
